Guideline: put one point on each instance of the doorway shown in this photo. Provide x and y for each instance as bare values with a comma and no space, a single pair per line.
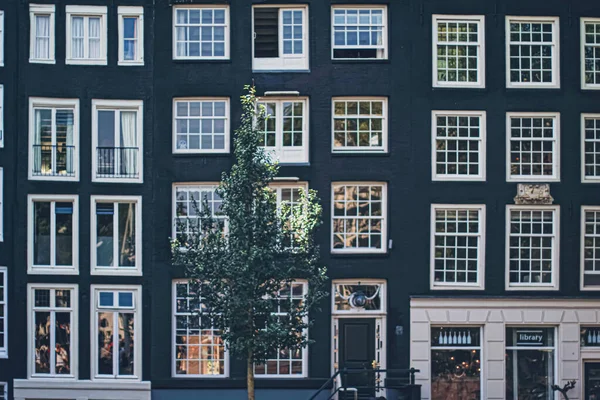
357,351
592,381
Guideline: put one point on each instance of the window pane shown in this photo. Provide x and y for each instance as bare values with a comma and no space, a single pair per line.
62,349
104,234
126,343
41,245
127,234
64,233
455,374
529,373
105,343
42,342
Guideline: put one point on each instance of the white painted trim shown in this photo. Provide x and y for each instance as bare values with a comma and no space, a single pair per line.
52,269
202,151
284,62
4,282
555,84
54,103
131,12
582,249
86,12
118,106
554,285
279,151
584,116
50,11
1,38
482,115
137,310
384,126
124,271
480,284
4,392
585,86
384,214
74,310
29,389
555,154
480,20
384,33
2,131
1,204
195,6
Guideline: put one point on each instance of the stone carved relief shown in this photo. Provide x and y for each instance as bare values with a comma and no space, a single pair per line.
533,194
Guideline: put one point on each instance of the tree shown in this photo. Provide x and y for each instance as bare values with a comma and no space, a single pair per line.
243,258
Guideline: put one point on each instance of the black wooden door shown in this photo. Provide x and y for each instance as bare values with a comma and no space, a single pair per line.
357,350
592,381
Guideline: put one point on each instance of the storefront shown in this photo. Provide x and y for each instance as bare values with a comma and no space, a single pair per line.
505,348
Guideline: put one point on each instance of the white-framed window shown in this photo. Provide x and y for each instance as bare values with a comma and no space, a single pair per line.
53,224
359,214
116,226
533,147
42,35
285,362
590,53
188,202
590,147
116,332
53,331
456,353
1,205
117,141
285,132
201,125
530,352
288,193
1,116
1,38
532,247
532,52
86,35
360,124
201,32
53,139
131,35
459,51
280,37
590,247
3,313
198,348
457,246
458,145
359,32
3,390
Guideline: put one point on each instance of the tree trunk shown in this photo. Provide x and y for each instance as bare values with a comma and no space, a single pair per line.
250,376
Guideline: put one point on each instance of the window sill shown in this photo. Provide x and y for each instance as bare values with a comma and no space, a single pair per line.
281,71
526,288
34,61
456,287
590,180
4,355
202,60
52,271
382,254
532,87
459,87
131,63
533,179
360,61
590,87
117,180
115,272
102,62
199,153
360,153
293,164
54,178
480,179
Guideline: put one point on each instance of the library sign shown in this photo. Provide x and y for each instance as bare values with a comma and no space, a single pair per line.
531,337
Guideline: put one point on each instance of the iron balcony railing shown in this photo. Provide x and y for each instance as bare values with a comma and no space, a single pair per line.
53,160
117,162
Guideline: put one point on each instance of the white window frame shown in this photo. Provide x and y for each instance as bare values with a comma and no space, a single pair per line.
1,116
481,176
117,106
131,12
555,177
1,204
555,21
384,33
138,327
587,178
50,11
279,150
2,28
278,186
174,316
480,284
52,103
202,6
52,269
188,186
227,139
290,62
582,286
86,12
554,285
116,270
584,85
384,218
304,350
4,392
384,126
480,21
74,309
4,306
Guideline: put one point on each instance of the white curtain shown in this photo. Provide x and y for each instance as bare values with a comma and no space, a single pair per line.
94,37
129,141
77,49
37,140
42,37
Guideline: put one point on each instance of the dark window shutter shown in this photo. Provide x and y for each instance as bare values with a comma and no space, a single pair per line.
266,24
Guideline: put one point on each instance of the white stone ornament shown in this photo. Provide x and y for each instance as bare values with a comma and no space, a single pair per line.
533,194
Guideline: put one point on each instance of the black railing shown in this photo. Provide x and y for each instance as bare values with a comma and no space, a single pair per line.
117,162
53,160
397,382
